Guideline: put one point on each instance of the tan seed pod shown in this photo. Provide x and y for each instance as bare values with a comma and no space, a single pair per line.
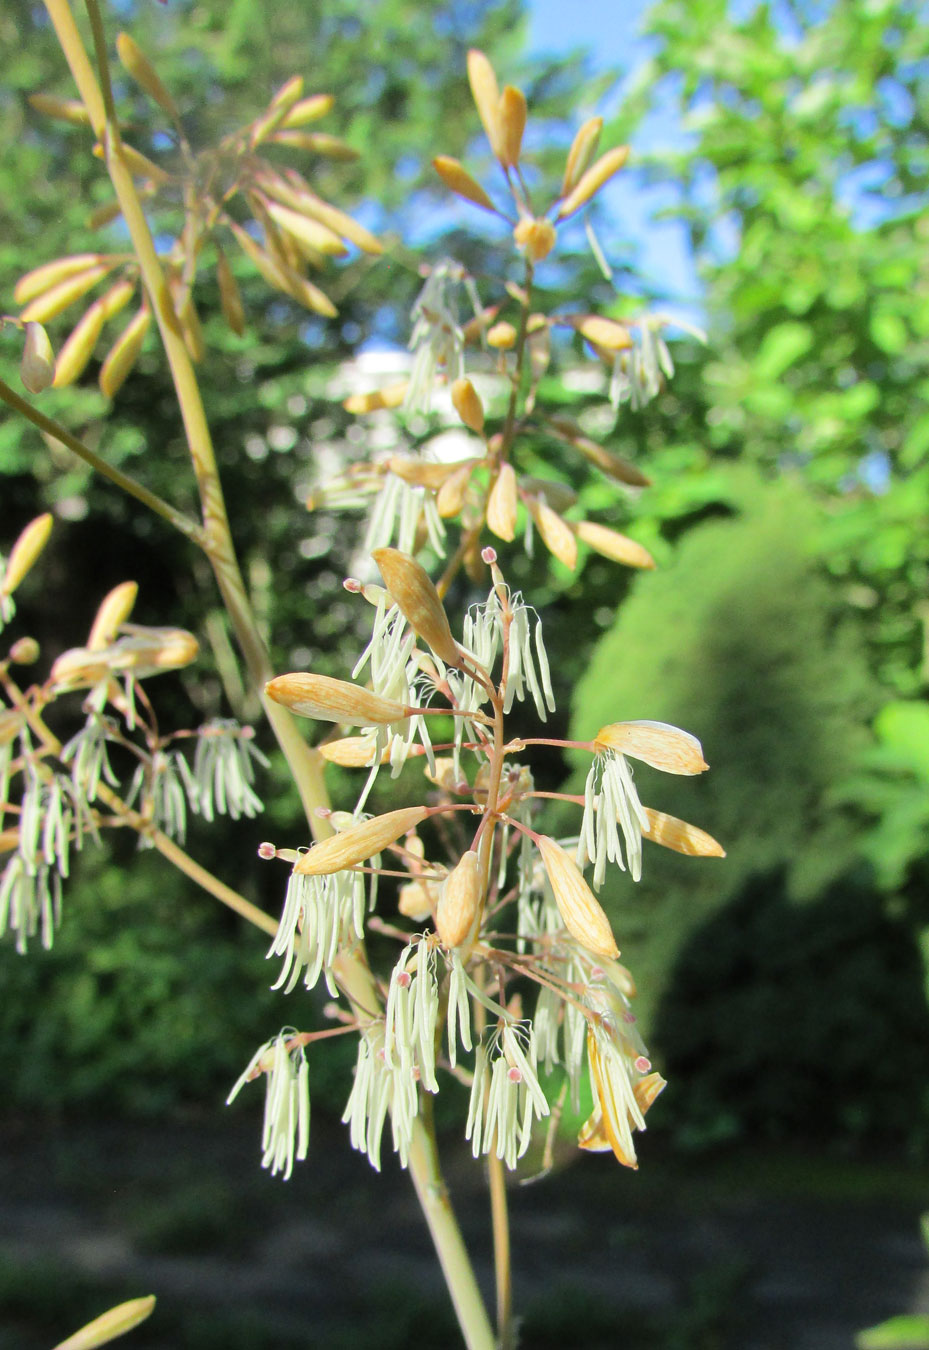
467,404
319,237
680,836
104,215
52,302
459,904
451,495
612,544
612,465
486,95
139,165
230,297
37,367
353,752
605,333
116,1322
502,503
64,109
410,586
25,552
502,336
559,496
391,396
592,180
308,110
44,278
137,64
583,149
359,842
112,613
535,236
455,176
423,473
556,533
655,743
332,700
511,119
581,912
124,353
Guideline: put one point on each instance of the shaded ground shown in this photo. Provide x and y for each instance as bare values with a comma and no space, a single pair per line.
752,1253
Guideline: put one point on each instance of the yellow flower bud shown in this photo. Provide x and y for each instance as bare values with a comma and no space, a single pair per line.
511,119
486,96
138,65
502,504
581,153
535,236
124,353
116,1322
112,613
467,405
502,336
592,181
25,551
455,176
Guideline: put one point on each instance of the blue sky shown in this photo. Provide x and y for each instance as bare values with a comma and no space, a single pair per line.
609,29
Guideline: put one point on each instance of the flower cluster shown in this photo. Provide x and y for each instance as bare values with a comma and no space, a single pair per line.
461,982
56,795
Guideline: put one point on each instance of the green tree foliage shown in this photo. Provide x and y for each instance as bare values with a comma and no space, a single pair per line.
803,188
742,641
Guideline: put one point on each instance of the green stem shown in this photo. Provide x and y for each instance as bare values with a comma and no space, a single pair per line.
189,528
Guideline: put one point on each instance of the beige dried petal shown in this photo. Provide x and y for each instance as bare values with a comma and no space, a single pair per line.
37,367
592,180
113,612
460,901
65,109
318,142
647,1089
655,743
511,119
451,495
583,149
115,1322
52,302
444,775
149,651
124,353
359,842
556,533
486,94
353,752
42,279
455,176
134,60
559,496
25,552
613,465
612,544
391,396
502,504
467,404
307,230
230,297
581,912
332,700
425,473
681,836
308,110
410,586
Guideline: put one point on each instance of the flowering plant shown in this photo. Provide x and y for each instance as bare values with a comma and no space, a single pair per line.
507,974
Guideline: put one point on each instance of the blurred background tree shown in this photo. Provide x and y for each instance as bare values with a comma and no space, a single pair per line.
789,461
